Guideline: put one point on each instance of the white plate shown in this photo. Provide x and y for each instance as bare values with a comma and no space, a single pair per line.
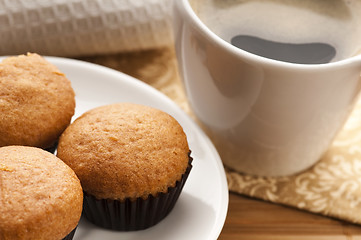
202,207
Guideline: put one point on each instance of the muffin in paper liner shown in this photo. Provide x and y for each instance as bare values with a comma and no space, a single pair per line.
37,102
126,150
70,236
37,189
133,214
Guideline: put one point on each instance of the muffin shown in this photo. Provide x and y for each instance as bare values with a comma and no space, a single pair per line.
37,102
40,196
132,161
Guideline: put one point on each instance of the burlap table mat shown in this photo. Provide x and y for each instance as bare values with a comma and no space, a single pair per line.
332,187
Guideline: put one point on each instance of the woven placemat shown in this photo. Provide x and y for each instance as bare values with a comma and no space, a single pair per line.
332,187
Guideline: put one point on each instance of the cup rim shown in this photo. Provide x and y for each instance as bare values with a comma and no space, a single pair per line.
195,20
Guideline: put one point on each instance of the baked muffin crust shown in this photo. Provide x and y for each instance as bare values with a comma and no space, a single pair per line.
40,196
125,150
36,101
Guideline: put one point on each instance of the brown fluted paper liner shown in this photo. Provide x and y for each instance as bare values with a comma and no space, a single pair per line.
332,187
133,214
70,236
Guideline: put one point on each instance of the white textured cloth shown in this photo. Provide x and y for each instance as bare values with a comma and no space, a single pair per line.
83,27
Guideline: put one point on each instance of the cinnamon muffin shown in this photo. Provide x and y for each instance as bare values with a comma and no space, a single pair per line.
37,102
127,156
40,196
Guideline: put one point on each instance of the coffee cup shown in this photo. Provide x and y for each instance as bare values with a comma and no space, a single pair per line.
266,117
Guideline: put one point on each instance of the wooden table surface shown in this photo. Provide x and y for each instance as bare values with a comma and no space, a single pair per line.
252,219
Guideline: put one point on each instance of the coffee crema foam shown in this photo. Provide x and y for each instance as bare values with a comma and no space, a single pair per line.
334,22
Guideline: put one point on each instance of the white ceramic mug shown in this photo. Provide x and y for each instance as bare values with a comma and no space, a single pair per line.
266,117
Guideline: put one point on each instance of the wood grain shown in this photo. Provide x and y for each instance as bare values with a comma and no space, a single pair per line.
253,219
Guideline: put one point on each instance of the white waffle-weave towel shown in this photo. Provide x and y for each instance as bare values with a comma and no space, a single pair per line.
83,27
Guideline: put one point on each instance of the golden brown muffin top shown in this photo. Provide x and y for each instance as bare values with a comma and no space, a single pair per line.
125,150
36,101
40,196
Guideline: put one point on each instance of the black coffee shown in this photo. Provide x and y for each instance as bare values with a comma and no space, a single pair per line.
306,53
